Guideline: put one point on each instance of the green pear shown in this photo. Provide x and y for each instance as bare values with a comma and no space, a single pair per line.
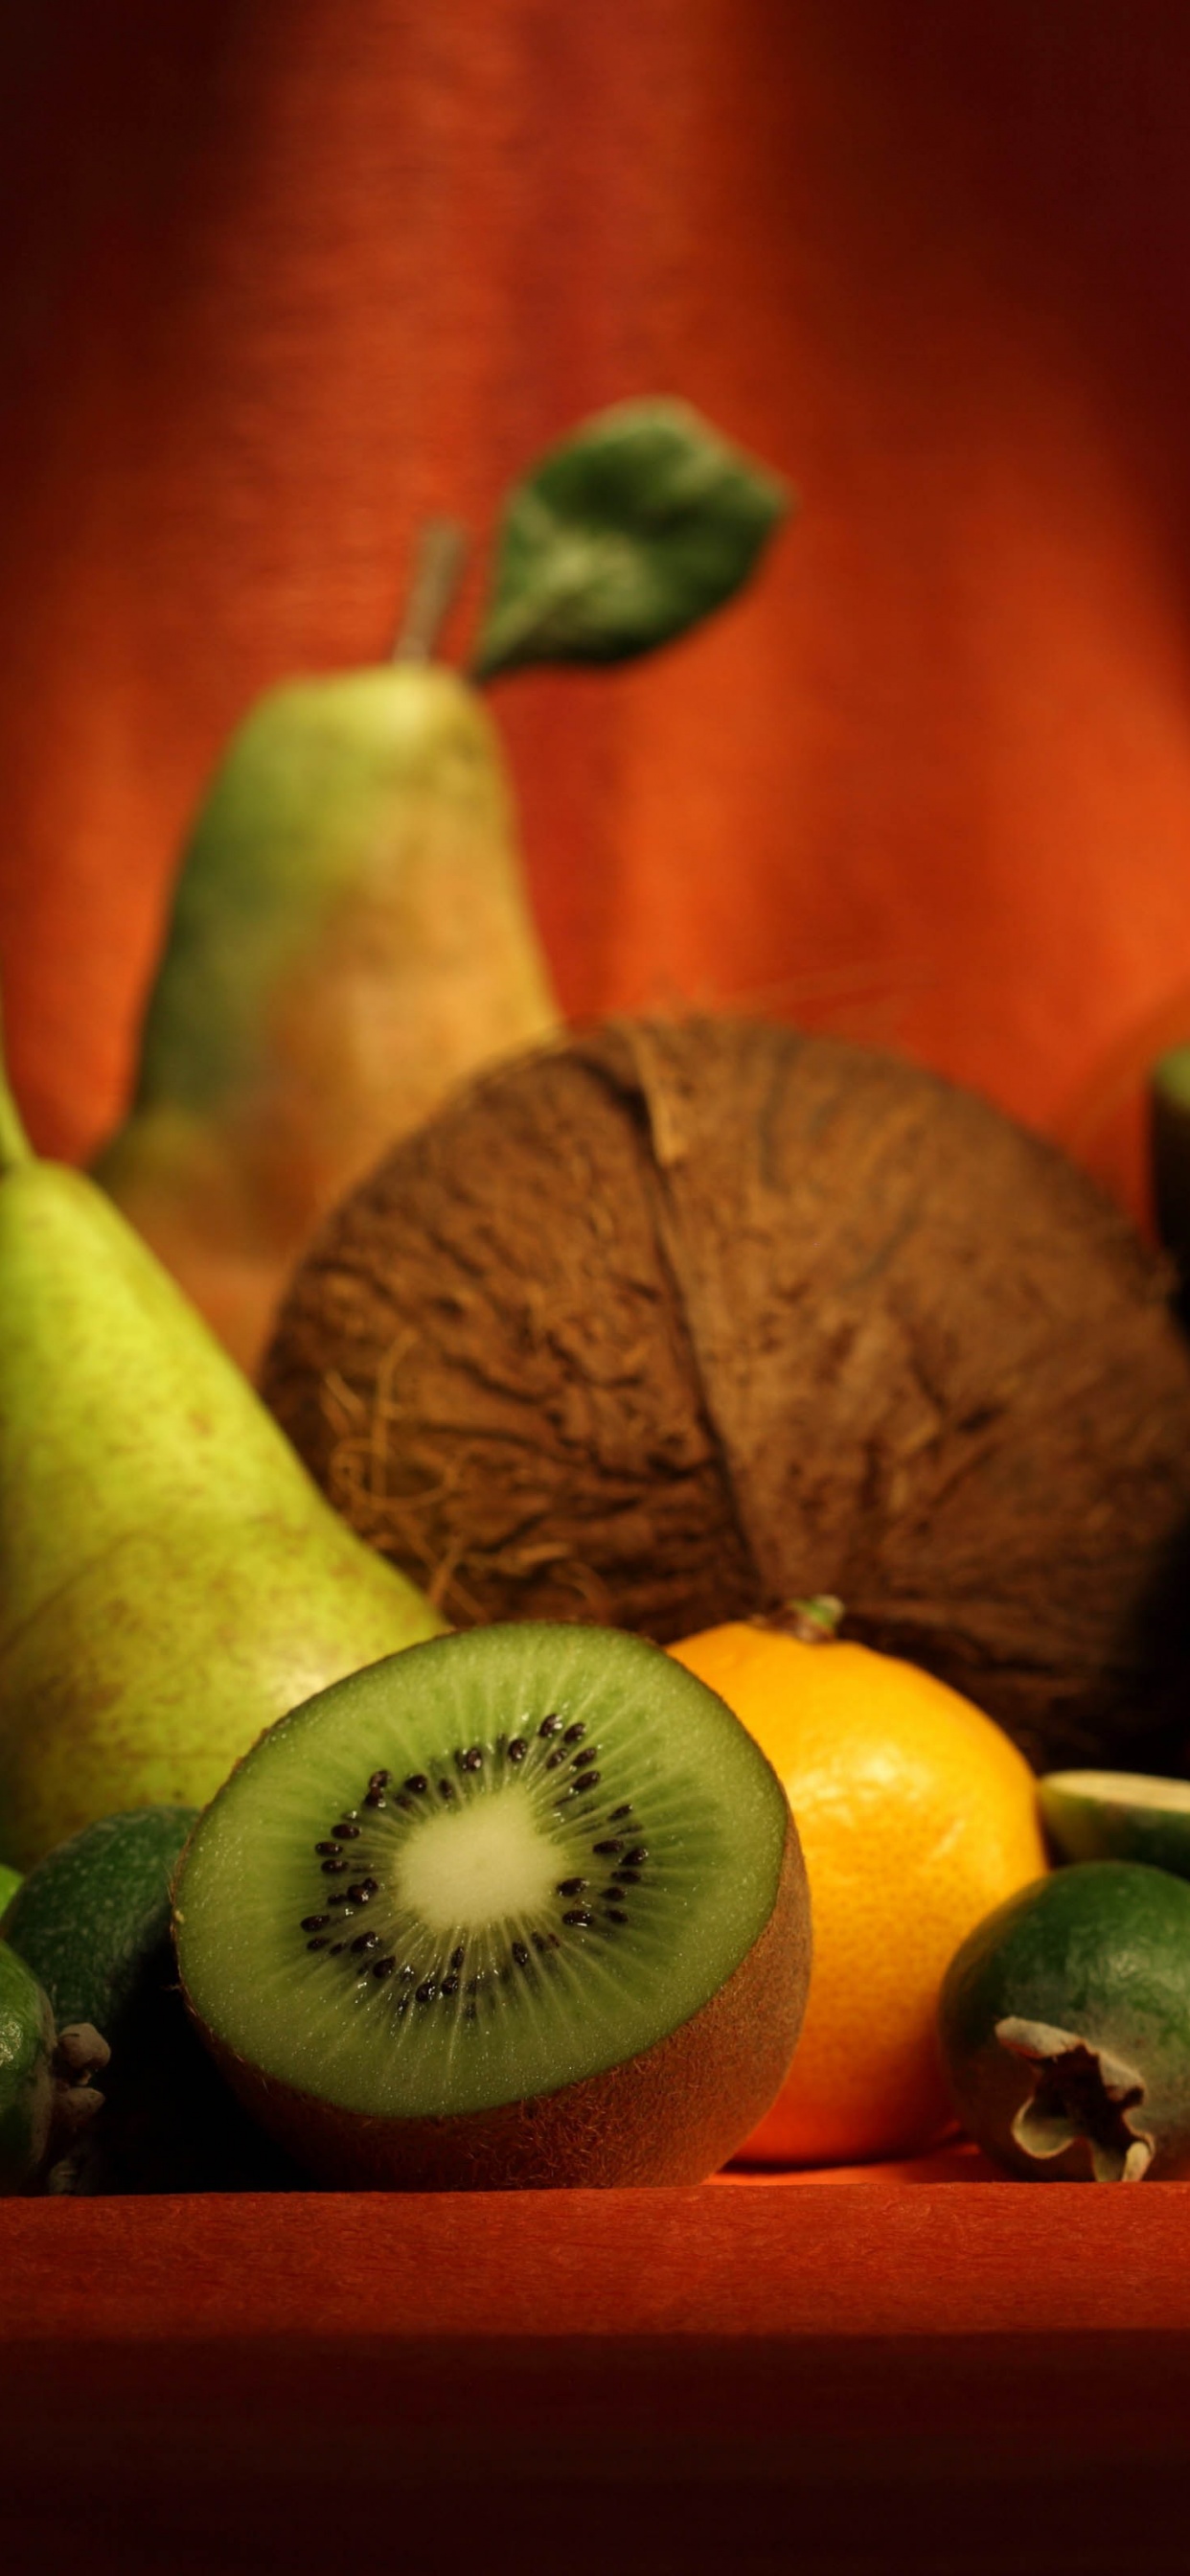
170,1579
351,934
350,937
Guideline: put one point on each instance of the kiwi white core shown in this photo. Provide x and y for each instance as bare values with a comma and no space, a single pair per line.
478,1871
469,1867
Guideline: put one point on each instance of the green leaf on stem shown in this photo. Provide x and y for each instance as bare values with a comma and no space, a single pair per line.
622,537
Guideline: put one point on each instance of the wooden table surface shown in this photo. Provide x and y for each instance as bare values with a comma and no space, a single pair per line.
967,2379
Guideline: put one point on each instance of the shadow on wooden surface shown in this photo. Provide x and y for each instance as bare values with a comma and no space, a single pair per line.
965,2455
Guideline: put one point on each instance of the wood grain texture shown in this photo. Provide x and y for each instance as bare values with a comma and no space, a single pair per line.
695,2261
277,283
949,2380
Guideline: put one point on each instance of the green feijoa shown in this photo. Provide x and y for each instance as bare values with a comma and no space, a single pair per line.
1065,2026
92,1919
27,2041
522,1906
1118,1815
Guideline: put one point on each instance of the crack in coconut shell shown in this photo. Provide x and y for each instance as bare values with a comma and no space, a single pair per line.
582,1368
672,1322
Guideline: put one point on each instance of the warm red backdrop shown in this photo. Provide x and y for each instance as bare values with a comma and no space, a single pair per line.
282,276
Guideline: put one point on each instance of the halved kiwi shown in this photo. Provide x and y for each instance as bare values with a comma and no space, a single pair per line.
520,1907
1118,1815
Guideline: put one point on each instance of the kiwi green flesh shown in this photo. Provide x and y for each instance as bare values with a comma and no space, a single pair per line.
597,1849
674,2114
1118,1815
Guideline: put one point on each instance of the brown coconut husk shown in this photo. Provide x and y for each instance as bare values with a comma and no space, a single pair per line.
671,1323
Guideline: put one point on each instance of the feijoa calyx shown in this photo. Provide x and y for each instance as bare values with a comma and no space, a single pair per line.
524,1907
1065,2026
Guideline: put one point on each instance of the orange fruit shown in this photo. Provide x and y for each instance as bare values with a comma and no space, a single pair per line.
917,1815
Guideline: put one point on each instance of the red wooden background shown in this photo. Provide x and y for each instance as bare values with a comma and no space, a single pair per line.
280,277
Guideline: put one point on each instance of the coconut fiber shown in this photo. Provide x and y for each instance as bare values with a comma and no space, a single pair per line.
676,1321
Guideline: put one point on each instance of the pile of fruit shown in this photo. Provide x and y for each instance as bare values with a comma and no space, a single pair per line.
594,1713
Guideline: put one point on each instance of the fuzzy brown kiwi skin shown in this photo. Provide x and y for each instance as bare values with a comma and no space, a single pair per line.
672,2115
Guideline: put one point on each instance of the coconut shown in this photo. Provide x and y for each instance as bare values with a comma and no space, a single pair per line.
677,1321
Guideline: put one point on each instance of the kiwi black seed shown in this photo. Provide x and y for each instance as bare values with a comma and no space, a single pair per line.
649,2021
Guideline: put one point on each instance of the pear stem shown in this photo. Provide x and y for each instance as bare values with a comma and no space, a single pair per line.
15,1147
437,570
